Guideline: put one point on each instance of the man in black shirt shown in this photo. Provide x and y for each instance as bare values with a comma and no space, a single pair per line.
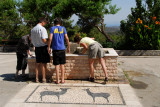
22,54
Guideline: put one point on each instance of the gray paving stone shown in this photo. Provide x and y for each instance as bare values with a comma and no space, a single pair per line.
24,90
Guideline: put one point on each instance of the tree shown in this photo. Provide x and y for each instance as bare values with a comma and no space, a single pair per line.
32,10
142,27
90,12
71,30
9,18
154,7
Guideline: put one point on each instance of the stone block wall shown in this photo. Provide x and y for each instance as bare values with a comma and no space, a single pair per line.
77,67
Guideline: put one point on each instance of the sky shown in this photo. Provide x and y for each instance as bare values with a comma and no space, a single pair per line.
114,20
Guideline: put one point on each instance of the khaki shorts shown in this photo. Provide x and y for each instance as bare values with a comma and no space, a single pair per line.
96,49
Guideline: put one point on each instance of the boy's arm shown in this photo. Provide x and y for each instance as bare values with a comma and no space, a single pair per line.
68,45
44,36
44,41
29,53
84,46
33,48
49,43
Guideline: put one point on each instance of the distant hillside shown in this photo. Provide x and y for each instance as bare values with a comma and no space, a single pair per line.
112,29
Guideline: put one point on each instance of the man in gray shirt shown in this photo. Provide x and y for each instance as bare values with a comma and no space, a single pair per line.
39,38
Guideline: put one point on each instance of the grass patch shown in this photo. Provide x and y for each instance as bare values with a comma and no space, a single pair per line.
129,79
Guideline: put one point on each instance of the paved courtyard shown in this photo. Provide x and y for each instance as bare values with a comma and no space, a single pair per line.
143,74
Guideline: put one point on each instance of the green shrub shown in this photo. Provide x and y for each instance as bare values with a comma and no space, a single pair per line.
0,40
119,41
142,27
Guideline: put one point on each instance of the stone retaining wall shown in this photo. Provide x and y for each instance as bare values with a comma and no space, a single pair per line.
77,67
138,52
8,49
120,52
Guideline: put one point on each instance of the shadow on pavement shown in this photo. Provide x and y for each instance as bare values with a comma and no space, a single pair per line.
11,77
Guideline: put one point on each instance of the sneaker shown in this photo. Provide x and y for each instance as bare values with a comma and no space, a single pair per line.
15,77
106,79
37,80
56,82
92,79
43,80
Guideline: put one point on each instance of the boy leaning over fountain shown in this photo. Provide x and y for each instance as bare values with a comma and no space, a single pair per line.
57,35
22,54
95,49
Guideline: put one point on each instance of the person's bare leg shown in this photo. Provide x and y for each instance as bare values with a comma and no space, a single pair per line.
62,73
43,72
91,62
104,67
36,70
45,66
57,74
16,76
23,72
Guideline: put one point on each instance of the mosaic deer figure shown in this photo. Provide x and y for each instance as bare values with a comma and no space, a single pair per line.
58,94
94,95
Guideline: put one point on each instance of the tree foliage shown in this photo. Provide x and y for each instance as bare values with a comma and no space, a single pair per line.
142,27
10,22
90,12
32,10
17,16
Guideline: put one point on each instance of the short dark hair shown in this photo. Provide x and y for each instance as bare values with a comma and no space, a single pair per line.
57,21
42,19
77,39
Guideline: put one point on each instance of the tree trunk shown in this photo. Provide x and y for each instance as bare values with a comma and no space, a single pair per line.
106,35
99,29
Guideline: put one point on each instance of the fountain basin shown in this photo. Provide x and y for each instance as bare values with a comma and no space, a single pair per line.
77,66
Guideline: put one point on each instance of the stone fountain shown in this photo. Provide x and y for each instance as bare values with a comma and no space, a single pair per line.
77,66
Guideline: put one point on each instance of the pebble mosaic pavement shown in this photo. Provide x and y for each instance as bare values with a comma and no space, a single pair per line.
92,95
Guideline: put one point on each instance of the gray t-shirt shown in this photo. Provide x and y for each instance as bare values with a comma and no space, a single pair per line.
37,34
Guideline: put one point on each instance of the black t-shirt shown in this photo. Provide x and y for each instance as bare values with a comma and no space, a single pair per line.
23,45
